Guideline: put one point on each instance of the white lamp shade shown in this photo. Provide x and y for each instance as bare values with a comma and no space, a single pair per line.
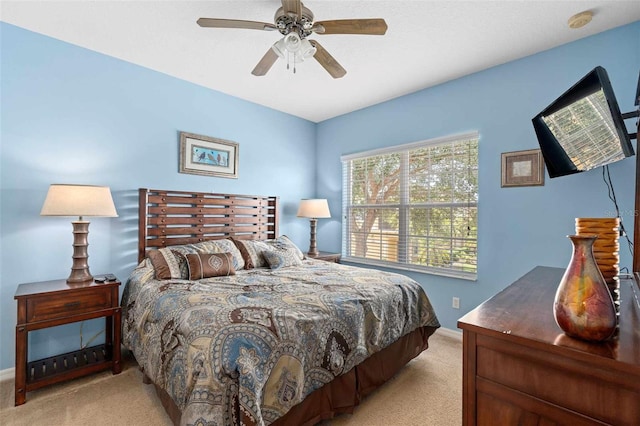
314,208
78,200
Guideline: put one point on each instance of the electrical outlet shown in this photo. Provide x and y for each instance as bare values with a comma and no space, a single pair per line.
455,304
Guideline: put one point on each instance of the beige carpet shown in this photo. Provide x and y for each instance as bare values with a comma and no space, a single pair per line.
426,392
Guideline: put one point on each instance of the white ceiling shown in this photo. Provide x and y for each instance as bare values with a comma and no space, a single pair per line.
427,43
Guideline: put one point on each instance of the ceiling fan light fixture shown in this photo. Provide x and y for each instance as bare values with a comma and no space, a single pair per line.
306,49
294,47
292,42
297,57
280,48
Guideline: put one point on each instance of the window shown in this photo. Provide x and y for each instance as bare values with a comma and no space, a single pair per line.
414,206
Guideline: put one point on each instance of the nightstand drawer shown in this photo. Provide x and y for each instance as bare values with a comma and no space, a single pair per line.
65,305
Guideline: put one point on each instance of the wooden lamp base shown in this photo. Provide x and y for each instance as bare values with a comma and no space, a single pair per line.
80,268
313,250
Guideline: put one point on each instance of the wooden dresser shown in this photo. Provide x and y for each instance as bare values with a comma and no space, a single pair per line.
519,368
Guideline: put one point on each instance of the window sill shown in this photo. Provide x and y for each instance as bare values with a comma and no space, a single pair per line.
468,276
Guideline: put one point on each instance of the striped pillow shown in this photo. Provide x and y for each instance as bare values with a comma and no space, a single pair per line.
251,251
167,263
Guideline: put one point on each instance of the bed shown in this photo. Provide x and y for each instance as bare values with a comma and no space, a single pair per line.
234,326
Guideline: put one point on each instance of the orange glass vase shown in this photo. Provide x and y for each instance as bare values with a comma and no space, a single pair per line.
583,307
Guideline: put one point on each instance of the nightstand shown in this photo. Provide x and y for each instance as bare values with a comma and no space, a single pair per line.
52,303
326,256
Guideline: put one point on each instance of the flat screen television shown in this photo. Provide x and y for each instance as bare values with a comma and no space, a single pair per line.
583,128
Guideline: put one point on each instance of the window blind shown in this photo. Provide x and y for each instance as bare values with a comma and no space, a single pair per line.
414,206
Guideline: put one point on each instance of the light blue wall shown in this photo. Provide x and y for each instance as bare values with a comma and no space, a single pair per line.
70,115
519,228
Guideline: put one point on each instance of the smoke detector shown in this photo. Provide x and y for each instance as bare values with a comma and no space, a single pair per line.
581,19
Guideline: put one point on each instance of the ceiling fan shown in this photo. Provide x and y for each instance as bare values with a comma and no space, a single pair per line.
295,22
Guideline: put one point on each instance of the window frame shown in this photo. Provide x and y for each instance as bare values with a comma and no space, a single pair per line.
404,207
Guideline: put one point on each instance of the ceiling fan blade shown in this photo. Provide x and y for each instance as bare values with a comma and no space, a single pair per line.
351,26
265,63
293,7
327,61
235,23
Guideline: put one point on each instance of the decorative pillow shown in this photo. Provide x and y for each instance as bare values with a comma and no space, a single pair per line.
279,258
167,263
251,251
180,252
206,265
221,246
284,243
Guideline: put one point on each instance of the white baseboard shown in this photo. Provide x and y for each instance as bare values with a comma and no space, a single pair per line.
8,374
455,334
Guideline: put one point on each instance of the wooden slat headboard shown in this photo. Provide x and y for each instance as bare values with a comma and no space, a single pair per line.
168,218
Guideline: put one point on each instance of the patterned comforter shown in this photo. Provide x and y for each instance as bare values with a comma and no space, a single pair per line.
244,349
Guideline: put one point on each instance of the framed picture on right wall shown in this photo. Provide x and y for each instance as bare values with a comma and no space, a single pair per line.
522,168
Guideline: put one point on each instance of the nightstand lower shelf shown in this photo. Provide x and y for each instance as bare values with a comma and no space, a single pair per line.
67,366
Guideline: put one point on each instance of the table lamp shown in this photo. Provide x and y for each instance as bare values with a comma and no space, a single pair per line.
313,209
79,200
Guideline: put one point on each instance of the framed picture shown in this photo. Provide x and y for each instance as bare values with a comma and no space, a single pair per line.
203,155
522,168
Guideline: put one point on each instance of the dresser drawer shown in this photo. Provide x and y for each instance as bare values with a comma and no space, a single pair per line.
599,393
67,304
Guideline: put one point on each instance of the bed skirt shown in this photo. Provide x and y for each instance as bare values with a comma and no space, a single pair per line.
345,392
